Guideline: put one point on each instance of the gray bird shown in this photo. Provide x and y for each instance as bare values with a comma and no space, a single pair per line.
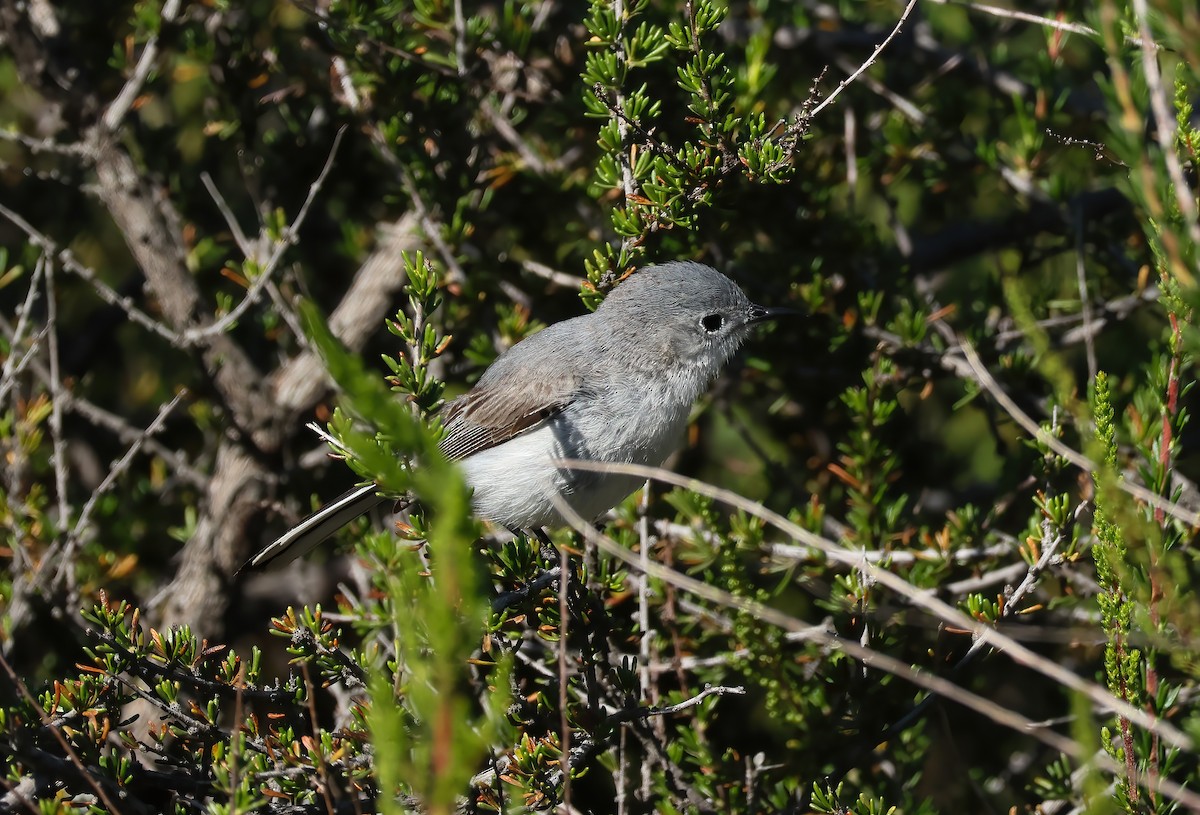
615,385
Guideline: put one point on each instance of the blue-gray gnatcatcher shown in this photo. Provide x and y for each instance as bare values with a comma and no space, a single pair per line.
615,385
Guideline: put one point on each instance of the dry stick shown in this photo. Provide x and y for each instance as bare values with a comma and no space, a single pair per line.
850,131
564,566
318,749
1085,305
644,677
563,279
47,145
629,714
57,398
460,39
106,292
287,239
128,95
454,270
1025,17
967,585
1164,126
509,133
788,623
66,559
234,742
1048,22
59,443
918,597
790,551
870,61
693,663
122,464
906,108
1132,122
239,237
985,379
110,421
1032,573
934,684
15,361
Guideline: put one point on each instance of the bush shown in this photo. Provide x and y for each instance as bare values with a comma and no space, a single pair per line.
933,544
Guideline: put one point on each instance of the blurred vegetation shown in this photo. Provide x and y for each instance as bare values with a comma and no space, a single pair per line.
961,575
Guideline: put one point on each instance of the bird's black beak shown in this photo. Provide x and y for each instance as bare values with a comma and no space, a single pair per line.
758,314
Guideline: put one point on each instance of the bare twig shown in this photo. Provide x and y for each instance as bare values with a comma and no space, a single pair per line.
646,712
918,597
100,417
282,244
791,551
239,237
556,277
57,397
869,62
433,231
985,379
106,292
122,464
996,712
16,362
1026,17
1085,303
1164,124
133,86
564,567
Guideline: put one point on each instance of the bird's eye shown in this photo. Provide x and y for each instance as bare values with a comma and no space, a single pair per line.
712,322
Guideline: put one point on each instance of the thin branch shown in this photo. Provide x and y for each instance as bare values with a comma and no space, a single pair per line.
57,398
433,231
791,551
646,712
986,707
239,237
1164,125
106,292
568,281
918,597
129,92
870,61
1026,17
564,723
122,464
47,145
16,362
996,712
100,417
1085,303
985,379
283,243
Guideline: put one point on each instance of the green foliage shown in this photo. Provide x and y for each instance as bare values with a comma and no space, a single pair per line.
664,172
1025,188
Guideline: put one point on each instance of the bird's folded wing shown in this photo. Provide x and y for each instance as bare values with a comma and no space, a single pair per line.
488,416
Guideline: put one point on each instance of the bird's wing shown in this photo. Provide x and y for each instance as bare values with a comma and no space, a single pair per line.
487,415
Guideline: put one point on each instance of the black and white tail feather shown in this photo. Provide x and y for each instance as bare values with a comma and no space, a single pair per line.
313,530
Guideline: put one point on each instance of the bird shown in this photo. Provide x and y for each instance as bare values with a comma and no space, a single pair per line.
616,385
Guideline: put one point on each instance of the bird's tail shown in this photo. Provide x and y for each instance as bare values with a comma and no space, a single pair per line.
306,535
